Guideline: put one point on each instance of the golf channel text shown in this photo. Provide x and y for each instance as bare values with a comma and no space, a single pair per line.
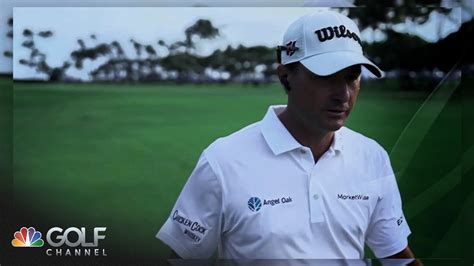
79,242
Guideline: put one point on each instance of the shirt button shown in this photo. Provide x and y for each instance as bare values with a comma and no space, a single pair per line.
315,196
302,151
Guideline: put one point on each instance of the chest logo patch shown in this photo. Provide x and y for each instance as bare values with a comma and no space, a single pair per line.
352,197
255,203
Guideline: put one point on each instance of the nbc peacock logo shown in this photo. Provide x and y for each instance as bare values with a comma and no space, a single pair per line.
27,237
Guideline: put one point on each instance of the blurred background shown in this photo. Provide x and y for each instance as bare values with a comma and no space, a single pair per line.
112,107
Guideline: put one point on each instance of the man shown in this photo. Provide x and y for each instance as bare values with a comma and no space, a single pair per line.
297,184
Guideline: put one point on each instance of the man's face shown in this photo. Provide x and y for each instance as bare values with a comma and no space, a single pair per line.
323,103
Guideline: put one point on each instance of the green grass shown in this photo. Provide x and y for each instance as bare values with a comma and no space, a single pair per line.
5,136
118,155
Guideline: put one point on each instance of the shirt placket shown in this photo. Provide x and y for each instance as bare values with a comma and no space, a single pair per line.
315,195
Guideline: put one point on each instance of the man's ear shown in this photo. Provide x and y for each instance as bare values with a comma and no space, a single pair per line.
282,72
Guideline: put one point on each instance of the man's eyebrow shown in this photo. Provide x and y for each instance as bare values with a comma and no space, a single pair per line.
355,70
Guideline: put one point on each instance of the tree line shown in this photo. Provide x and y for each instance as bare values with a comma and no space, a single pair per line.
181,64
398,51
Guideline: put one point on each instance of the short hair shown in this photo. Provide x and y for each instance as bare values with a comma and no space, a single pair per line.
292,67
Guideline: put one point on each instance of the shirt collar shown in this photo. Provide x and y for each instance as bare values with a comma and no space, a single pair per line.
279,138
337,145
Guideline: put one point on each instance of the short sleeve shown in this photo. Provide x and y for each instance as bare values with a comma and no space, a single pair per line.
193,227
388,229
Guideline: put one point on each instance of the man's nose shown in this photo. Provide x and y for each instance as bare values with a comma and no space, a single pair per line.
341,92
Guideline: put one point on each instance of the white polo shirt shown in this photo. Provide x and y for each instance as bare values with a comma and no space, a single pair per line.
257,193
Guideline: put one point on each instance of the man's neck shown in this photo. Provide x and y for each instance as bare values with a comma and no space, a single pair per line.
318,141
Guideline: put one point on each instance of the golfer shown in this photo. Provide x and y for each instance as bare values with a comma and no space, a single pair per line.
297,184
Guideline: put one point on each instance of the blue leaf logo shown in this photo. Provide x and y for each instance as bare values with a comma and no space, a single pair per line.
255,204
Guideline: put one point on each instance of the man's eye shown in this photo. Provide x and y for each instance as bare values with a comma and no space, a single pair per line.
352,77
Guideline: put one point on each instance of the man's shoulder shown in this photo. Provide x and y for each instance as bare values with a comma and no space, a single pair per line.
244,139
368,157
357,142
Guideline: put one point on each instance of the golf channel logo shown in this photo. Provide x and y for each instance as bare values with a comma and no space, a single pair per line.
69,242
27,238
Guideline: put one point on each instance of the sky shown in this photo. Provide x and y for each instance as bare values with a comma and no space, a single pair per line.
247,26
238,25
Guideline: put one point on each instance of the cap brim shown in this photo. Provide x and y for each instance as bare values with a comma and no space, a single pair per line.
329,63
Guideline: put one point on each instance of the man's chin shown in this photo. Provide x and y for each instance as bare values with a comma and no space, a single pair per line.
328,125
334,126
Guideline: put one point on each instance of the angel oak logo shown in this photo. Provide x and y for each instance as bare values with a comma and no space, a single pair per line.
255,203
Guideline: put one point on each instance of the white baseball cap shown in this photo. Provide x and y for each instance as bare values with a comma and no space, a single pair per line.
325,42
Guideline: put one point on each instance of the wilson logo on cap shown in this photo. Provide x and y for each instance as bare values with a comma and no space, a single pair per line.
329,33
